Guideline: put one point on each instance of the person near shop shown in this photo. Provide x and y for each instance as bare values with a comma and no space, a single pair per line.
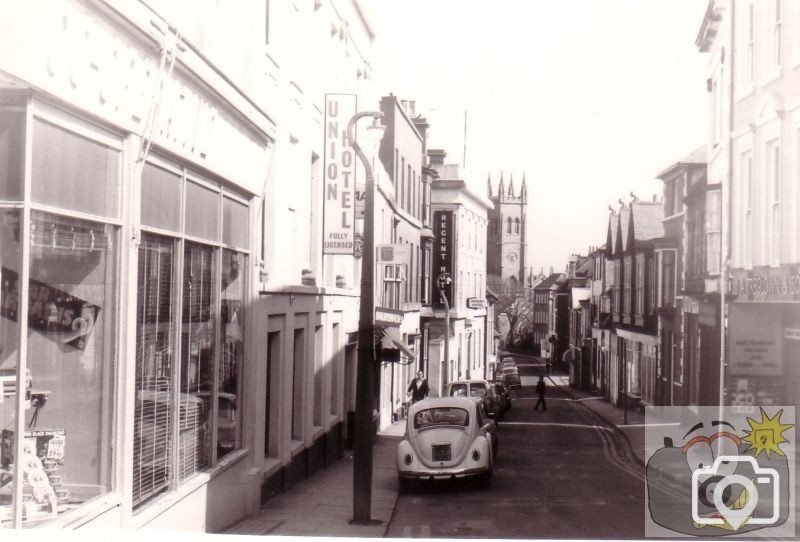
541,388
418,388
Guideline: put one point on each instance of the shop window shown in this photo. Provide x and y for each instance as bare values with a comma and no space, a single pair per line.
69,390
155,365
161,198
10,265
202,212
235,219
74,173
229,426
197,356
12,154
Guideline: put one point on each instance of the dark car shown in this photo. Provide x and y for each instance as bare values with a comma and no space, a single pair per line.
511,378
481,389
503,393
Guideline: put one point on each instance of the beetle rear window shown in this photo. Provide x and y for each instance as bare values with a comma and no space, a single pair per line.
457,417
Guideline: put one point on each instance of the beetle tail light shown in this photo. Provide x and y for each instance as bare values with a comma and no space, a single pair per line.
476,455
408,459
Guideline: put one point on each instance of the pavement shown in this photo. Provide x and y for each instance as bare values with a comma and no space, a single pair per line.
322,504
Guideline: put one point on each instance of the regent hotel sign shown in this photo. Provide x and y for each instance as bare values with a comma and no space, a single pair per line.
443,256
339,176
780,284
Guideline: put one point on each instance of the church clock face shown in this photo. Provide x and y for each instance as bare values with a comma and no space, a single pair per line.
512,257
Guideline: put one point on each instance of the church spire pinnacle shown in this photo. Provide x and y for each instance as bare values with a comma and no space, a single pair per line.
489,185
511,186
501,187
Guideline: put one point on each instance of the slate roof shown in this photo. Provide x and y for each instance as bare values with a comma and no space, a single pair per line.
647,220
698,157
548,282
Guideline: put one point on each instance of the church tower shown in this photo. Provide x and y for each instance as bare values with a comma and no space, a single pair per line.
507,246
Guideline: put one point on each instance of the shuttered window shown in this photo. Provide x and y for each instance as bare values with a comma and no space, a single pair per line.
154,367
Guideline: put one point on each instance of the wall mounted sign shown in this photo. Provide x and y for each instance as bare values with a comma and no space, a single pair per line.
339,174
755,342
476,303
778,284
444,230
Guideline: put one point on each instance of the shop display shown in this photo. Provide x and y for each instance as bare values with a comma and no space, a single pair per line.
44,494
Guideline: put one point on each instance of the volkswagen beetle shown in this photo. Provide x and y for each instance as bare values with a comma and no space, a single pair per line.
446,438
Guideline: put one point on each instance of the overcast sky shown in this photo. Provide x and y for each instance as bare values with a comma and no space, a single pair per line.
591,99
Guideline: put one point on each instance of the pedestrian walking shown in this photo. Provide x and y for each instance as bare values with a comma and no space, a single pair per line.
541,387
418,388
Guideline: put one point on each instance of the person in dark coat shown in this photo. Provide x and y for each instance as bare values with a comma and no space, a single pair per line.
418,388
541,387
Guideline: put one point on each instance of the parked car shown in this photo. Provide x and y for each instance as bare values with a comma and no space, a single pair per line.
504,393
511,378
481,389
446,438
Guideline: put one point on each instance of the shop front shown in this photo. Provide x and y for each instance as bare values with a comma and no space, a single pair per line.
764,338
124,290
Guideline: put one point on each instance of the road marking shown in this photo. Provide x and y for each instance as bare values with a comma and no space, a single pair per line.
556,399
622,425
552,424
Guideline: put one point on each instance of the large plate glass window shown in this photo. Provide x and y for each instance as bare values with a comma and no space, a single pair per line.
190,326
71,357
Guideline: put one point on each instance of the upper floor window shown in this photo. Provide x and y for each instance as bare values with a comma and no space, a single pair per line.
749,68
640,284
747,200
516,226
508,227
775,33
668,270
713,232
774,206
627,280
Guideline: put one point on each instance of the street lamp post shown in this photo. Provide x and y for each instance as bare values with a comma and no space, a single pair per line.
445,280
365,372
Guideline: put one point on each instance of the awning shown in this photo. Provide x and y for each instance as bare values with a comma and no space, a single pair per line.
392,340
580,294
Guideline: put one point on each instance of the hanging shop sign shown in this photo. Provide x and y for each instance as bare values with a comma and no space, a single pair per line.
779,284
388,317
339,176
444,231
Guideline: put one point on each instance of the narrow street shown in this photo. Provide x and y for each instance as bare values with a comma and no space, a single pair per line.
563,473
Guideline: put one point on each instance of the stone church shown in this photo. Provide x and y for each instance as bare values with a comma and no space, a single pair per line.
507,246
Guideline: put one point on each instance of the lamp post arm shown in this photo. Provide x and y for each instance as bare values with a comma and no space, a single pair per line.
351,129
